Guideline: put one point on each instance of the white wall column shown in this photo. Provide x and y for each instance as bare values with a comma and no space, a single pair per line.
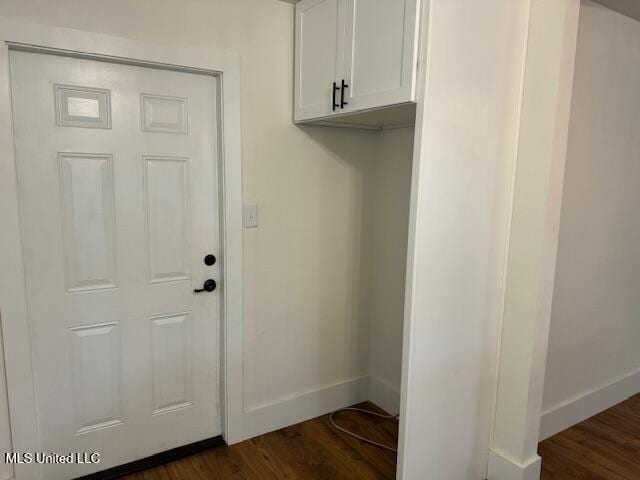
544,123
465,145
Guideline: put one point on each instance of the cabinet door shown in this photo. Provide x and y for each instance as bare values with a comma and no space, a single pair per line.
381,52
319,57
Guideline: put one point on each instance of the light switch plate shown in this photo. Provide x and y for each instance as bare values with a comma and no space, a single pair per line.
250,216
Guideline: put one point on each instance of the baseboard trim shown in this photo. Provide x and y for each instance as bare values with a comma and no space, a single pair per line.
384,394
591,403
304,406
155,460
501,467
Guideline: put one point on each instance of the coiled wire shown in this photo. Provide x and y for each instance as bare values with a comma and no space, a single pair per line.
360,437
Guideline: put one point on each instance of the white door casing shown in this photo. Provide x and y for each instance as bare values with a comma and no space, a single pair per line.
117,175
20,377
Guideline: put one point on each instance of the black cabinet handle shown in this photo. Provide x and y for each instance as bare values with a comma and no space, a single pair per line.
342,87
334,105
209,286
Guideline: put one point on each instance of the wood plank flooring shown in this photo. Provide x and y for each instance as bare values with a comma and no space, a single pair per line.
604,447
305,451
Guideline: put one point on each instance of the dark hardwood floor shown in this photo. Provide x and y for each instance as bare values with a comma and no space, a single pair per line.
604,447
305,451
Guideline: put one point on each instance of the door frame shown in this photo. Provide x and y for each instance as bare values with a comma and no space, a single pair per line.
13,300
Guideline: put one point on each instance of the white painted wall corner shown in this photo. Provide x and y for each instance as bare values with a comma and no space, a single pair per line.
384,394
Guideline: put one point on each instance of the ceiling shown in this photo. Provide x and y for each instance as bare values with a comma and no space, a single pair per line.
630,8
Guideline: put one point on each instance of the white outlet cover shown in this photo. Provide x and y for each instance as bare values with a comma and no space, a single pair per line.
250,216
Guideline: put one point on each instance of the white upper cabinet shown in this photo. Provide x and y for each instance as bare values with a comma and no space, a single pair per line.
381,46
354,55
319,45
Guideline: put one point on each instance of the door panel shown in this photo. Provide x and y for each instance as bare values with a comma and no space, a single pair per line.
171,344
319,55
88,220
167,218
97,379
117,176
380,53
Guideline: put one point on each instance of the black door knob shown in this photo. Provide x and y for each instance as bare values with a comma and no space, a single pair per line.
210,260
208,286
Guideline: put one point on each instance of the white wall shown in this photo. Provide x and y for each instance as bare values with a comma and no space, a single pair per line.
595,325
307,265
390,192
466,131
5,433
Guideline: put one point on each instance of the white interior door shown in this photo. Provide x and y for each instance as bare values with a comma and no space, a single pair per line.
380,53
117,175
319,56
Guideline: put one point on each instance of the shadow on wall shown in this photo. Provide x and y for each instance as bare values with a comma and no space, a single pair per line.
377,214
355,151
